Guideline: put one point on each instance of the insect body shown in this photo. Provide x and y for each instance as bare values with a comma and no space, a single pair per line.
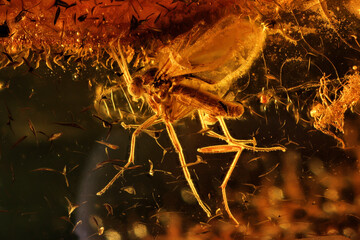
174,100
192,74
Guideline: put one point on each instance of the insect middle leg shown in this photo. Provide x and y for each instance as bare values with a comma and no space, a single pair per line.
138,130
175,141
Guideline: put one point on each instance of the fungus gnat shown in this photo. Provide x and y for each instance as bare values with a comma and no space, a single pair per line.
192,74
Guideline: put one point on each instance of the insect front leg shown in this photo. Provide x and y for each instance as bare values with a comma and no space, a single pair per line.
138,130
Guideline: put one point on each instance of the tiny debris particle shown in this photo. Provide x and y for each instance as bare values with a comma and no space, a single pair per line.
19,141
109,145
55,136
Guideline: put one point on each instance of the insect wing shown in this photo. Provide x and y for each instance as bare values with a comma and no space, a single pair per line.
217,55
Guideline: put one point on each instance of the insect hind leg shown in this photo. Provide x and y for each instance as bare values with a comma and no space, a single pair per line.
226,137
233,145
224,184
246,144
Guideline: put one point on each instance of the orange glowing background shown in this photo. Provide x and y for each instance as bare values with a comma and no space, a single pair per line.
73,24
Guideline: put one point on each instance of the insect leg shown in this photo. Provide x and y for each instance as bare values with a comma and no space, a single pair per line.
138,130
224,184
225,149
121,62
228,138
206,130
233,145
176,144
244,143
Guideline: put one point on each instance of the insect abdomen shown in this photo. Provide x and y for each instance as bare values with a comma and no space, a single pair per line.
207,102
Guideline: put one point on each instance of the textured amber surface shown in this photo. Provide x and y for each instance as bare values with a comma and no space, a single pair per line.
77,78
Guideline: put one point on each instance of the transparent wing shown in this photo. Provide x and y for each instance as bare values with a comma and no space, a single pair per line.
217,55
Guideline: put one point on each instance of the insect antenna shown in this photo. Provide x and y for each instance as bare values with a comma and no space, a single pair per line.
121,62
